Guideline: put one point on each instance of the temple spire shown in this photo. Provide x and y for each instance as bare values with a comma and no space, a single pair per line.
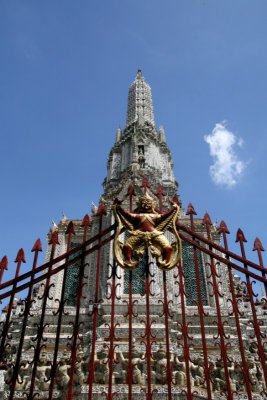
140,106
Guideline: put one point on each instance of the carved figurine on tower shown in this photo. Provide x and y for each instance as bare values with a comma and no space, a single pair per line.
146,229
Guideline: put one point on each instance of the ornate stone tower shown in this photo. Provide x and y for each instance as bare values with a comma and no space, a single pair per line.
139,160
140,151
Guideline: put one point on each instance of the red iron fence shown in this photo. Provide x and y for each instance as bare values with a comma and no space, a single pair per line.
201,335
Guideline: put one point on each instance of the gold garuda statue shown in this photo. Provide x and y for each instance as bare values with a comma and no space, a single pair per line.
146,229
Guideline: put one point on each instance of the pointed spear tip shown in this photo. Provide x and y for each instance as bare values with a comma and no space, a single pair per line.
240,237
190,210
101,210
176,200
258,245
54,238
130,191
206,219
70,228
20,256
223,228
86,221
145,182
37,246
4,263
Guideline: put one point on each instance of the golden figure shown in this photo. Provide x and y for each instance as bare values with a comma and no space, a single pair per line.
146,228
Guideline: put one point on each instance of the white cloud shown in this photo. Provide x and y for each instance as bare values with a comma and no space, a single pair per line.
227,168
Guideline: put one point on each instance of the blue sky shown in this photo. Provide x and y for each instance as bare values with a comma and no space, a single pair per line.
65,71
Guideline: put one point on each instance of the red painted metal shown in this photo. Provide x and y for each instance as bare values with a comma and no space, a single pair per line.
60,312
130,318
167,315
201,313
3,267
48,266
112,332
101,211
224,231
259,248
160,193
19,259
86,223
145,183
202,241
148,334
131,193
28,303
256,323
217,294
41,326
185,335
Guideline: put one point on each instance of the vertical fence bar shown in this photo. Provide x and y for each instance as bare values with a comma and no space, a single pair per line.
112,332
258,246
166,318
40,330
131,193
148,327
130,316
224,230
100,213
191,212
70,231
19,259
241,239
221,333
130,351
185,333
3,267
85,224
145,184
28,302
